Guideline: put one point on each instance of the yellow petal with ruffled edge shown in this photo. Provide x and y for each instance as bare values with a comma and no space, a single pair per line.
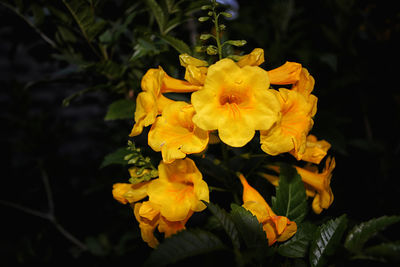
174,133
305,84
124,192
178,190
255,58
252,195
236,102
146,226
315,150
290,132
320,182
288,73
170,228
196,69
257,210
145,113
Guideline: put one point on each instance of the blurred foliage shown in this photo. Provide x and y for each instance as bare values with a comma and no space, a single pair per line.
70,71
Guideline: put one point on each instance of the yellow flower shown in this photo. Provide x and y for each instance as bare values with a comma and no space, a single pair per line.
255,58
178,190
196,69
288,73
276,228
236,102
290,132
174,133
151,102
317,184
129,193
149,218
315,150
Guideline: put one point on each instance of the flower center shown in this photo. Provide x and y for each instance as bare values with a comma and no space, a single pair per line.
229,99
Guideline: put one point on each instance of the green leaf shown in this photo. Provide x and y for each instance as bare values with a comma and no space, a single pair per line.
116,157
298,245
361,233
83,15
120,109
326,239
226,222
158,13
183,245
291,200
179,45
384,251
249,227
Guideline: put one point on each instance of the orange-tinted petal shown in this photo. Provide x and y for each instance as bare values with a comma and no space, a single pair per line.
288,73
255,58
174,133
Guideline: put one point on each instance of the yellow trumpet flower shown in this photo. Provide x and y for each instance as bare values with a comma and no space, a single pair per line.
149,218
174,133
317,184
288,73
151,101
289,133
178,190
236,102
276,228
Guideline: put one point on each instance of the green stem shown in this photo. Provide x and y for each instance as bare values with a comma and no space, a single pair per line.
217,32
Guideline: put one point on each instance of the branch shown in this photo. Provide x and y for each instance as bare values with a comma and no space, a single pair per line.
37,30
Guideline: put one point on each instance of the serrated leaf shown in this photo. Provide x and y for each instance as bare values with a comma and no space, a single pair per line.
326,239
385,251
249,227
361,233
120,109
179,45
116,157
298,245
183,245
291,200
226,222
84,17
158,13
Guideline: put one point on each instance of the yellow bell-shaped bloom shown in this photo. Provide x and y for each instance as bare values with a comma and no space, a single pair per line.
288,73
151,101
174,133
129,193
315,150
236,102
276,228
290,132
196,69
178,190
317,184
320,184
149,218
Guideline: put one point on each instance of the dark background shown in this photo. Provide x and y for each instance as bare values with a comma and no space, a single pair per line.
350,47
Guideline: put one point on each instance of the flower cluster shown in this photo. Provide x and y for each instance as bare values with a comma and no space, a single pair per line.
231,99
172,198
